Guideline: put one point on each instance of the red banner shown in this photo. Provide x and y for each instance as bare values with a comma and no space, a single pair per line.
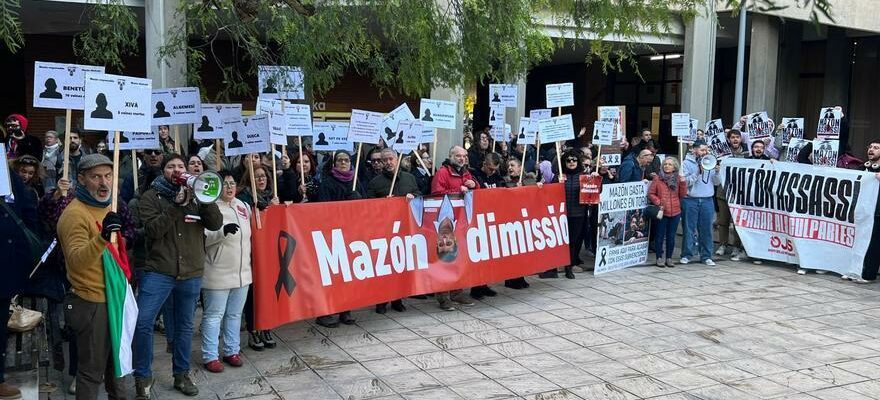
322,258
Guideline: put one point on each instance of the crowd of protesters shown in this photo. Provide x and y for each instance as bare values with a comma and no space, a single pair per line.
184,252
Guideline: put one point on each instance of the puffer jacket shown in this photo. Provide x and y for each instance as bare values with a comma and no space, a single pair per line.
662,195
228,257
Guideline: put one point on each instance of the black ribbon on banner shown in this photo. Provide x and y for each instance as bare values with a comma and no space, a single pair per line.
286,249
602,262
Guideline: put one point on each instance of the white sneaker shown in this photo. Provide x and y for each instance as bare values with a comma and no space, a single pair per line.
821,271
757,262
72,388
801,271
721,250
684,260
844,277
736,255
709,262
859,280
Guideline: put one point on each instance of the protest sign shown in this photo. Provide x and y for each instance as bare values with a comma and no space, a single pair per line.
528,131
713,127
280,82
117,103
438,113
503,94
277,121
591,188
496,115
794,148
718,145
213,115
792,128
540,113
691,136
299,119
331,136
135,140
758,125
783,212
829,123
5,181
603,132
681,124
176,106
409,134
616,115
556,129
623,227
825,152
61,86
310,260
610,159
389,130
246,135
363,126
427,135
560,95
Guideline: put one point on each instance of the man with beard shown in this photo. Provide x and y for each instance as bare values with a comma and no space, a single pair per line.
84,230
872,256
453,177
380,186
727,236
149,170
758,151
76,154
489,175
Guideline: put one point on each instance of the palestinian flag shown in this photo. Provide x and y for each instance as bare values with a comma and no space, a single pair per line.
122,309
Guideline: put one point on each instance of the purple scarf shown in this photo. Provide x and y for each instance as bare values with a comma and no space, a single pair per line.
546,169
346,176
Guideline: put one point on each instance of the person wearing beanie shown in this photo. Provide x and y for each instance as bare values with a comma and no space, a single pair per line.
18,142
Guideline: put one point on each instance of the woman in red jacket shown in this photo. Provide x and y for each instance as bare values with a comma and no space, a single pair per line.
667,190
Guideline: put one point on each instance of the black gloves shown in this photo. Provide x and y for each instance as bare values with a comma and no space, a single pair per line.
230,229
112,223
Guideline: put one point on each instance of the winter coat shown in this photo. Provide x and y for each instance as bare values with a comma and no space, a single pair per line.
447,181
175,247
488,182
14,245
381,185
332,189
662,195
228,257
630,170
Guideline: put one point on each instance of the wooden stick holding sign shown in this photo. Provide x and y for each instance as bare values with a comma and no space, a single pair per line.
217,161
422,162
302,172
434,152
134,169
357,166
394,178
558,154
250,168
522,164
66,163
274,171
177,139
114,191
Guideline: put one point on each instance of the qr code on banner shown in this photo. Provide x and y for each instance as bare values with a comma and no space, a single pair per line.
610,159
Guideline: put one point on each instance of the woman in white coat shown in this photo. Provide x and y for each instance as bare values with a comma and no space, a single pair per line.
226,279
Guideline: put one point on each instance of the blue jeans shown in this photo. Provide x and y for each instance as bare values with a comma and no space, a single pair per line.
665,232
700,211
222,306
168,318
153,291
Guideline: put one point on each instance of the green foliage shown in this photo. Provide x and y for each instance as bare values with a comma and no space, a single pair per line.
112,34
10,27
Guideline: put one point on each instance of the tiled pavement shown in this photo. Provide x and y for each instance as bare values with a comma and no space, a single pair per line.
736,331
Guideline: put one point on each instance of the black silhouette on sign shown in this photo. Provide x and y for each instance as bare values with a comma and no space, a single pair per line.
51,91
101,110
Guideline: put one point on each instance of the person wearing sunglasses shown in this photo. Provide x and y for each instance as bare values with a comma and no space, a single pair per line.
150,169
572,169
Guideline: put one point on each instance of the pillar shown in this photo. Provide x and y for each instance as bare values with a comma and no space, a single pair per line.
446,138
763,60
837,69
699,65
789,70
513,115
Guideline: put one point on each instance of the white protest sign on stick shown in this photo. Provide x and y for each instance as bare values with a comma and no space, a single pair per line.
411,132
388,130
274,109
246,135
211,125
540,113
556,129
792,128
692,132
758,125
528,131
61,86
504,94
613,114
363,126
427,135
135,140
176,106
560,95
280,82
117,103
5,179
623,240
603,132
330,136
829,123
681,124
497,114
438,113
299,119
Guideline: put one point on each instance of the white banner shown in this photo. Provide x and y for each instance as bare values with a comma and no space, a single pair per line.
173,106
623,227
816,217
61,85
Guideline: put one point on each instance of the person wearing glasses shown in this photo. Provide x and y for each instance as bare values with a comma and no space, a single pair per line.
227,279
373,165
31,173
422,175
292,187
570,176
336,185
632,169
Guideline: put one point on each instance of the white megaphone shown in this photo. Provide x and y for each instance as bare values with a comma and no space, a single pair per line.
205,187
708,162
